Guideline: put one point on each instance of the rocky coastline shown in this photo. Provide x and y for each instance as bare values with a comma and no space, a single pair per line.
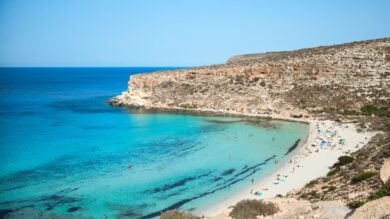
340,84
339,79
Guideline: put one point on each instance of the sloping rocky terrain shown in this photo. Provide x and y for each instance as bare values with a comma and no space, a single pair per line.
343,182
340,78
348,82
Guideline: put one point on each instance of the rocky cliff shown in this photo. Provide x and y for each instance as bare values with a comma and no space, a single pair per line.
339,78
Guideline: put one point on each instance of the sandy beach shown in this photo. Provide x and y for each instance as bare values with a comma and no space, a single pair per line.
325,142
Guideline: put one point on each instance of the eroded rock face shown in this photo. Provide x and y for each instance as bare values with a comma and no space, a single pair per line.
385,171
374,209
343,77
290,208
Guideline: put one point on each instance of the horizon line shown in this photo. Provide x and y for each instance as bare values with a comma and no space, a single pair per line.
96,66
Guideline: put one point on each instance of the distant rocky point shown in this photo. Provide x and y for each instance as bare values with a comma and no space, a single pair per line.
340,78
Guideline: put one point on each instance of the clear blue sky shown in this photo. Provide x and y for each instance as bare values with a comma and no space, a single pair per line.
176,32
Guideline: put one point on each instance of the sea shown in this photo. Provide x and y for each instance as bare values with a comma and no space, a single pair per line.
64,151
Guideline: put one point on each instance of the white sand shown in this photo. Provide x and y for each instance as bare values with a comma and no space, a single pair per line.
309,163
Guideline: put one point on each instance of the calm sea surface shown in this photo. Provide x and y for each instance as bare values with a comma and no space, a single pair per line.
63,150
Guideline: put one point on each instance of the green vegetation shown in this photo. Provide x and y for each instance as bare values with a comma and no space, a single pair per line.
333,171
343,160
363,176
331,188
174,214
250,209
374,110
355,204
383,191
311,195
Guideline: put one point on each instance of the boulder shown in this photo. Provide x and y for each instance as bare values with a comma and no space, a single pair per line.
385,171
379,208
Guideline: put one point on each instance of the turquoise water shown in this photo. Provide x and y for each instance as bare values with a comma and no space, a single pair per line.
65,151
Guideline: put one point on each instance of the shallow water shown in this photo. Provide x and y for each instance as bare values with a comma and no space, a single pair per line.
64,150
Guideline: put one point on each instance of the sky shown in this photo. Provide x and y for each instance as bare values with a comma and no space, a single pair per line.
176,32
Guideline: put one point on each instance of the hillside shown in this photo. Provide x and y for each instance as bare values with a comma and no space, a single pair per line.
340,78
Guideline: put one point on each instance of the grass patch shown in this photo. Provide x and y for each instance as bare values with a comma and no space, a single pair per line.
343,160
363,176
174,214
333,171
250,209
374,110
383,191
355,204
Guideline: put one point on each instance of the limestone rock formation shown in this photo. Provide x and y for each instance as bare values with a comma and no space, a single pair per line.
385,171
300,209
379,208
292,208
339,78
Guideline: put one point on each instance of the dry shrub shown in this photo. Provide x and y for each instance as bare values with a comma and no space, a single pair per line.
174,214
250,209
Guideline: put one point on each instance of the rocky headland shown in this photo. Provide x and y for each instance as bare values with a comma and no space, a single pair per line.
342,85
339,79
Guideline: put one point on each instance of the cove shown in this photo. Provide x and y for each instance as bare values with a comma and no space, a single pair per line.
65,151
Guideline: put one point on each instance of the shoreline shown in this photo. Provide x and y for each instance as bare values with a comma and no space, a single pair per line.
285,86
222,209
300,171
285,116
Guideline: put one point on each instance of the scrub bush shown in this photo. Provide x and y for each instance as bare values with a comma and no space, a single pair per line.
250,209
174,214
363,176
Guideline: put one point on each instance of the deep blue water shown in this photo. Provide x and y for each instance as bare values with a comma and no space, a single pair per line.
63,150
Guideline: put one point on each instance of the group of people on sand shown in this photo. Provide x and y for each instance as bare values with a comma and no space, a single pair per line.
325,137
